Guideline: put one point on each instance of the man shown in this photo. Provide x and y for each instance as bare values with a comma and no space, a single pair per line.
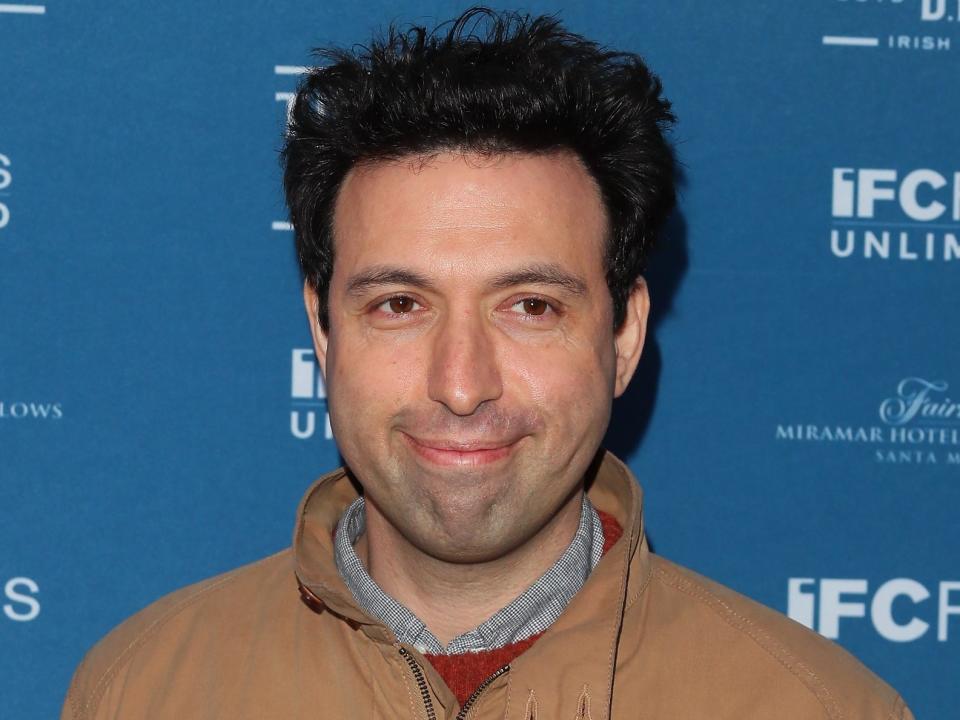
472,216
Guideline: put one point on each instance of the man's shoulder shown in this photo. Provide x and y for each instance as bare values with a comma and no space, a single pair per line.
216,598
190,616
744,642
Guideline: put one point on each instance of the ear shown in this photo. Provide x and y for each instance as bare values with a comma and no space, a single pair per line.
312,305
629,337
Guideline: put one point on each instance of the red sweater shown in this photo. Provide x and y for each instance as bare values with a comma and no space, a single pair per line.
463,673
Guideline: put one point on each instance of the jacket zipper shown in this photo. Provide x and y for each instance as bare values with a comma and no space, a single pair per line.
425,691
421,683
476,693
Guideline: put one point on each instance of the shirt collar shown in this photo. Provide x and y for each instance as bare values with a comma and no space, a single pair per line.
530,613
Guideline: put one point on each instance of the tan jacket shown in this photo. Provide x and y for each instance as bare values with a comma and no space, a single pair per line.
644,639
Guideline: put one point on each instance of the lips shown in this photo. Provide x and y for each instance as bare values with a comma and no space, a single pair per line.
460,453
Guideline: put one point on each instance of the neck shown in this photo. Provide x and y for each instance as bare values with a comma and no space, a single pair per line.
452,598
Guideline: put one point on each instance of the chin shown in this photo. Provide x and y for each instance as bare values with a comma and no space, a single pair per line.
476,537
470,551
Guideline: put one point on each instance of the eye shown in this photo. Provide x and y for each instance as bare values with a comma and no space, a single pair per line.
399,305
533,306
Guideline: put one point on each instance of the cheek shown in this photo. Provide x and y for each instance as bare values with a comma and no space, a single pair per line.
570,383
367,384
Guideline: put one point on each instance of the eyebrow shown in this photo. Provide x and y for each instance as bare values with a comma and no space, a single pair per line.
380,275
536,274
541,274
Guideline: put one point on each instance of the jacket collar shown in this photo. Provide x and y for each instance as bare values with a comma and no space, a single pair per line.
313,547
580,647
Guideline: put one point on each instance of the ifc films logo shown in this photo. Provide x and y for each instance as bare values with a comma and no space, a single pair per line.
853,600
919,425
911,25
308,397
887,214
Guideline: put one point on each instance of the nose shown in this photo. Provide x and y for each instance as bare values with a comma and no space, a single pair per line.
463,369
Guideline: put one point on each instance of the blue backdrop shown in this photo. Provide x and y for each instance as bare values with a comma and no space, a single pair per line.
796,419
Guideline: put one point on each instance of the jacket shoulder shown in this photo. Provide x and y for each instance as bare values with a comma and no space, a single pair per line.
166,625
788,662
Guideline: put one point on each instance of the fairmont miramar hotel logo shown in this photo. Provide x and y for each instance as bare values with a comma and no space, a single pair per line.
918,424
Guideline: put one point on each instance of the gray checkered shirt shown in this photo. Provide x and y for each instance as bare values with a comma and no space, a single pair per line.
532,612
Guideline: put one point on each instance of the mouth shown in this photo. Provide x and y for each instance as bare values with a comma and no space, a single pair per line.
461,453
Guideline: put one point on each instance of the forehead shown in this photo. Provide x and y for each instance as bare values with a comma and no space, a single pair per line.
455,211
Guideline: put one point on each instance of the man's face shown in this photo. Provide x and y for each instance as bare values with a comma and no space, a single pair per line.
471,358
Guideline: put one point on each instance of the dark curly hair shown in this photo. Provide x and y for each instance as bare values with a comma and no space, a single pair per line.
492,83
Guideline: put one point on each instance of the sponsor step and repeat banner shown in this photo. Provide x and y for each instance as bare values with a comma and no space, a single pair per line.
795,422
